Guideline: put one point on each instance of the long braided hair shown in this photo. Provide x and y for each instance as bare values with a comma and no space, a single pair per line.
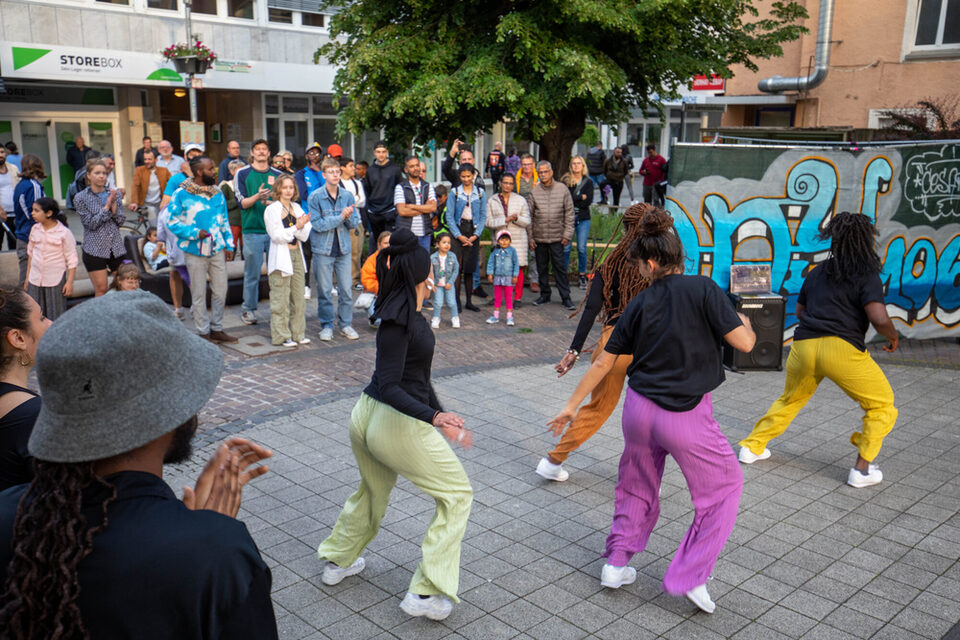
50,539
852,247
619,265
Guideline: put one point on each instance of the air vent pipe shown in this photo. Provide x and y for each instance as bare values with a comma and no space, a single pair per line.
821,64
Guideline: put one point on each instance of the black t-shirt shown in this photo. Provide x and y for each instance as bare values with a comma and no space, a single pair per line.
16,463
674,328
402,375
159,570
834,308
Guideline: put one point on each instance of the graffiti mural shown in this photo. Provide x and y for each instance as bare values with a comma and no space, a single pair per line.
912,192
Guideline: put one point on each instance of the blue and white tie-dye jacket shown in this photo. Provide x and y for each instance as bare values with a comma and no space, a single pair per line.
193,208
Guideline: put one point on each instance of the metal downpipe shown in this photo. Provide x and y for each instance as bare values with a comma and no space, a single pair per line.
821,67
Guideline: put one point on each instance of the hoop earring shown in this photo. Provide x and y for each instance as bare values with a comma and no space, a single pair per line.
20,359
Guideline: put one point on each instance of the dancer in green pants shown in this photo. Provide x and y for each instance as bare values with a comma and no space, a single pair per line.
398,428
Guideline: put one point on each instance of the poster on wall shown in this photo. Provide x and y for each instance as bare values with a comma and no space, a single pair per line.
755,205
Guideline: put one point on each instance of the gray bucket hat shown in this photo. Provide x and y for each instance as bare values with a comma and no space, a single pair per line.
115,373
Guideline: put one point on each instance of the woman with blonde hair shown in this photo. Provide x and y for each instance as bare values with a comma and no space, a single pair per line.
581,190
288,227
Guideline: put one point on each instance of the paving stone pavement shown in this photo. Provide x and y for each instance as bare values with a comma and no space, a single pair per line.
809,557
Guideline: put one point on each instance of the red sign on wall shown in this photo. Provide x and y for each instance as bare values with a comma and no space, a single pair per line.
704,83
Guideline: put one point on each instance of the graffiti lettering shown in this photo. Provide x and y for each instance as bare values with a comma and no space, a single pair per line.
736,226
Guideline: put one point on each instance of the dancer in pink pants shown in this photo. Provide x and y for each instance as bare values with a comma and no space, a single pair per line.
673,329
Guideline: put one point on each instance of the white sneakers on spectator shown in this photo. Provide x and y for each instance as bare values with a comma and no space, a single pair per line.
326,334
435,323
455,322
749,457
349,333
433,607
332,574
305,341
700,597
615,577
288,343
860,479
550,471
306,293
248,317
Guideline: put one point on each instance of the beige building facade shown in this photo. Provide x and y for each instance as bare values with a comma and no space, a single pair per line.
884,54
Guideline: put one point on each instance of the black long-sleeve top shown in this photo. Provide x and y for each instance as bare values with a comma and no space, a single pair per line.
593,306
402,375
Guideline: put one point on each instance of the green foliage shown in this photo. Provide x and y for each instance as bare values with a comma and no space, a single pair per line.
425,69
590,135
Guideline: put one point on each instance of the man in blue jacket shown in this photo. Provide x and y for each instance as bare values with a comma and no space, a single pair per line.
333,215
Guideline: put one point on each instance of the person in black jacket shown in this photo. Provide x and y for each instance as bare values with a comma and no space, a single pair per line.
379,182
398,428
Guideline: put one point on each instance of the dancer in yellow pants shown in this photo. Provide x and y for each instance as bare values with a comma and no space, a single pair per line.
614,283
837,301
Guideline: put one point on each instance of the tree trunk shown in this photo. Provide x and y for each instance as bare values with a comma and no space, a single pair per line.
556,144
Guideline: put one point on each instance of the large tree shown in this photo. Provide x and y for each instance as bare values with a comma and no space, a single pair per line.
429,69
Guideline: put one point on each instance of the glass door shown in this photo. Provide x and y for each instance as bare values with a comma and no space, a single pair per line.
65,134
295,139
35,140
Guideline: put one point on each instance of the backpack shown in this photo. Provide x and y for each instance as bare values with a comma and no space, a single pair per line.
665,169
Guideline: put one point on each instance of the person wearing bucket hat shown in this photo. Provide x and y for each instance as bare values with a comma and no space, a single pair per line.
395,429
130,559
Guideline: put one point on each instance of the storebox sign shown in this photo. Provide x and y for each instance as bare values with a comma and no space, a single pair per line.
79,64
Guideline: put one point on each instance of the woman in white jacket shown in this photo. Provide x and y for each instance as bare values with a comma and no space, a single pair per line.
288,227
509,211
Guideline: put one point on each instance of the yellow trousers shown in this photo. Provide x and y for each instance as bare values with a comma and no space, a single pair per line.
603,400
852,370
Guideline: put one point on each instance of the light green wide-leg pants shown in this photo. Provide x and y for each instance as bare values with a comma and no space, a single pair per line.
387,443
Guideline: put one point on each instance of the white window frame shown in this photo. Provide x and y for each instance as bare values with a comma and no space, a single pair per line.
912,51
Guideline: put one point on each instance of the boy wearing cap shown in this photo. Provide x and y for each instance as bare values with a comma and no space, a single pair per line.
98,545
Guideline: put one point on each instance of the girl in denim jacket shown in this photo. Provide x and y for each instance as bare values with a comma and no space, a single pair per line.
503,267
446,268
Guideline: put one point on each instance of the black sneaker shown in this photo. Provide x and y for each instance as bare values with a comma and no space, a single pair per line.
541,300
427,304
568,305
479,292
583,282
471,307
517,304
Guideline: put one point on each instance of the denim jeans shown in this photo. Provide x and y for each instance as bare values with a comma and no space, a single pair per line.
255,247
448,296
424,241
326,266
598,180
582,230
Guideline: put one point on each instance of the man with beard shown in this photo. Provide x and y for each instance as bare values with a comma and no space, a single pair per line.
198,217
379,183
130,559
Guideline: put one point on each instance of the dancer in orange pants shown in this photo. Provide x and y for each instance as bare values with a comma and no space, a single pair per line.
614,283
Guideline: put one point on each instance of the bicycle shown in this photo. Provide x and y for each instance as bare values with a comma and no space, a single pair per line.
140,225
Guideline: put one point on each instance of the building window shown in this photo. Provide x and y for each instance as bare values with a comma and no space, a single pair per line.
170,5
281,16
240,9
938,23
123,2
312,19
271,103
206,7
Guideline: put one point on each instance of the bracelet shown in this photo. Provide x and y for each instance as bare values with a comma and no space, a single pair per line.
576,354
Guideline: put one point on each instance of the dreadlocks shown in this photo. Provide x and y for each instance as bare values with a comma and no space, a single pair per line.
852,247
50,539
618,265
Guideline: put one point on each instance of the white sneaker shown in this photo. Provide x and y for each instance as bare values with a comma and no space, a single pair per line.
288,343
433,607
700,597
615,577
550,471
349,333
181,313
859,479
334,292
332,574
305,341
749,457
326,334
306,293
435,323
248,317
455,322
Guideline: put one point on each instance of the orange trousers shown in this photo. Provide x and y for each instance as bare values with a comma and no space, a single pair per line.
603,401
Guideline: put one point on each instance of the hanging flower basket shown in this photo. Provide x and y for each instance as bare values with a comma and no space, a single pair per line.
190,59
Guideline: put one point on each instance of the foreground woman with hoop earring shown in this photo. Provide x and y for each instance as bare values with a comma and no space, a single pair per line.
674,329
616,280
398,428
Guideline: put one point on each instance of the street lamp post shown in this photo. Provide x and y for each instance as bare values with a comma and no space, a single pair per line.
187,4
